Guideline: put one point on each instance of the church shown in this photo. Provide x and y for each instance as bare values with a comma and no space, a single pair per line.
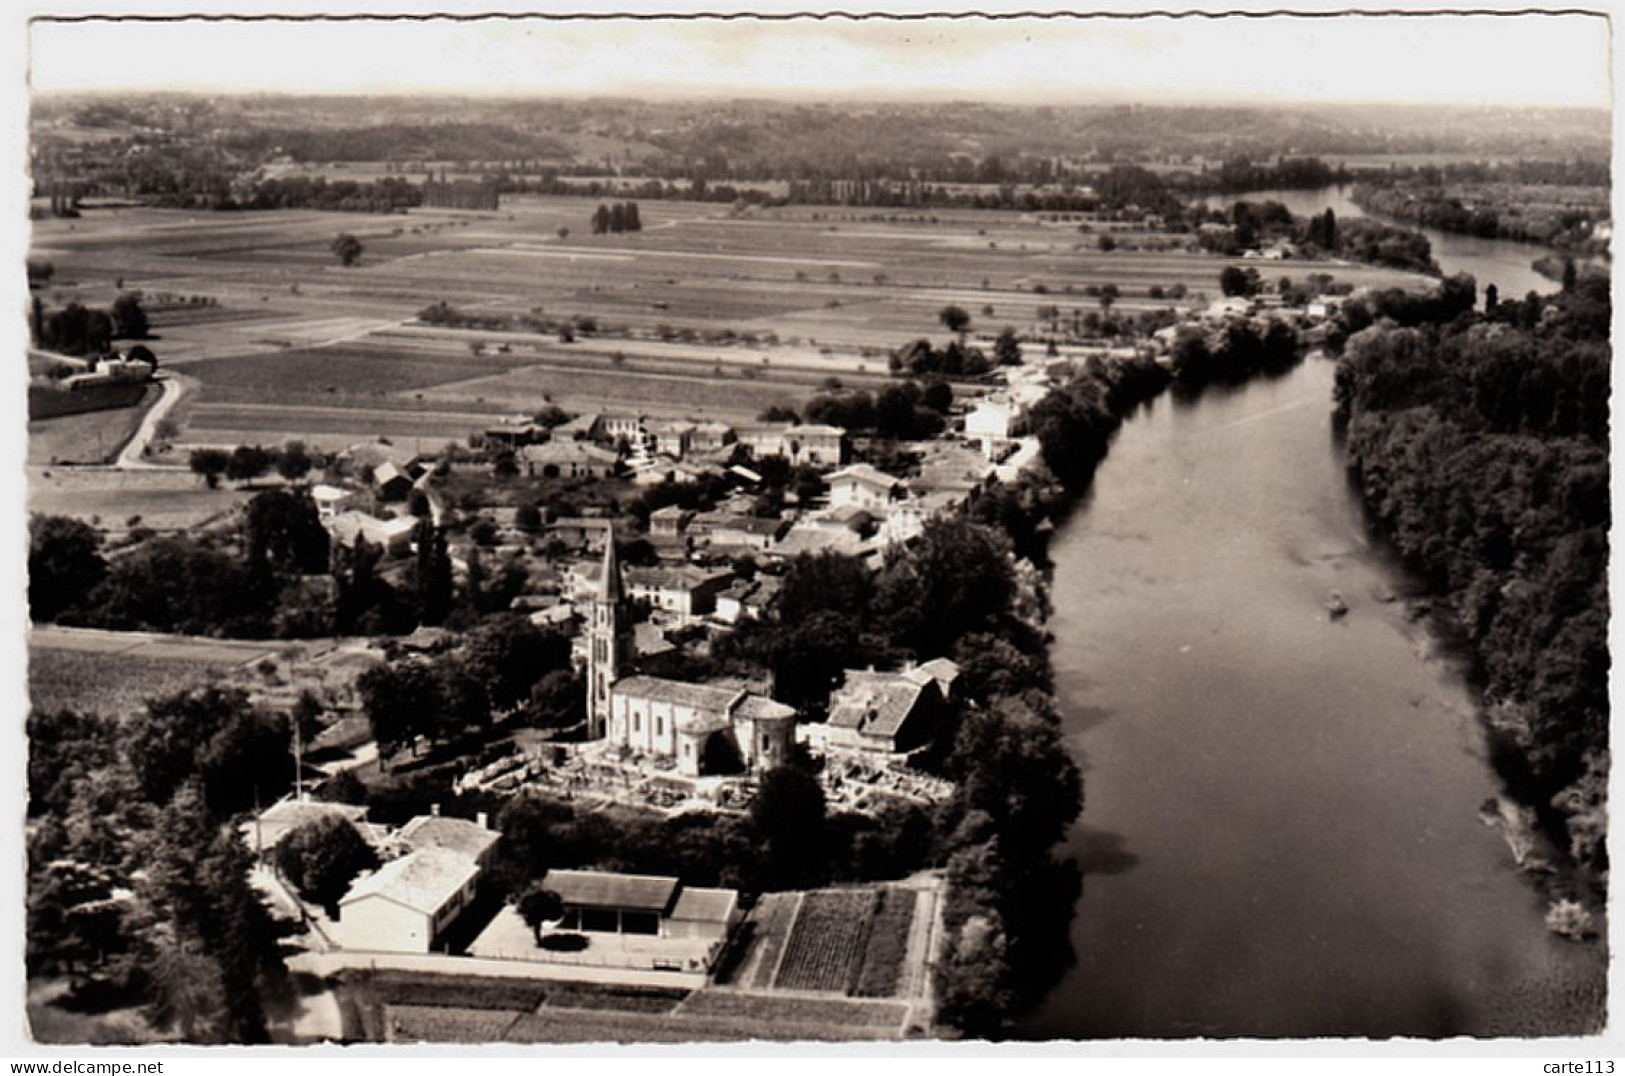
703,728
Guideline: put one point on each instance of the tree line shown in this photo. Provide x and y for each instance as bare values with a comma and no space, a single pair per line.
1480,442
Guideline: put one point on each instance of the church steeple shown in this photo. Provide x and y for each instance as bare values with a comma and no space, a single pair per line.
609,583
609,641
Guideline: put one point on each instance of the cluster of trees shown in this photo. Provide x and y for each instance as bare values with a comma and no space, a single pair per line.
1481,444
905,412
1252,224
503,665
138,883
617,218
1287,173
1074,423
391,194
398,142
1234,352
76,329
276,575
164,584
1366,240
1499,213
1453,297
443,313
245,463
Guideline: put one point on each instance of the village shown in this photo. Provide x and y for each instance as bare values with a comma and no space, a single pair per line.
710,559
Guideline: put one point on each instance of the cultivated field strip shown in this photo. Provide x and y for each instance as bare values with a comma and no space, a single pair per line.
826,940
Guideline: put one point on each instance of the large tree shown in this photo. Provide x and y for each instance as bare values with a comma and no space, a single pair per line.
788,819
129,320
236,754
956,578
347,248
401,701
284,533
537,906
509,655
64,564
322,857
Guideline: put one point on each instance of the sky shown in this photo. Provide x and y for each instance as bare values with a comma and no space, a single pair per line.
1496,60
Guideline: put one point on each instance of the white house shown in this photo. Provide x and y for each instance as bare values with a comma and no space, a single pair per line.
863,486
331,500
989,420
406,905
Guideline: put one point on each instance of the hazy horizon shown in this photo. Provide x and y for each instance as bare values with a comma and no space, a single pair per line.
1518,62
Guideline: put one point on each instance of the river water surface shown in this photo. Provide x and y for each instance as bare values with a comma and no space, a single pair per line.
1282,834
1502,262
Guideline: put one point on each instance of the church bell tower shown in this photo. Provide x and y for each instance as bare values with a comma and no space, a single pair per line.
609,641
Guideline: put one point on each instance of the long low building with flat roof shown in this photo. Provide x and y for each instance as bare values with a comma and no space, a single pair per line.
602,902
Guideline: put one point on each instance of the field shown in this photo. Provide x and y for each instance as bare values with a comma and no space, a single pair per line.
112,673
163,500
295,346
89,437
828,940
887,946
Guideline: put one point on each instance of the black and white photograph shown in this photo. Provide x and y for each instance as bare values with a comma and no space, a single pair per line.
812,528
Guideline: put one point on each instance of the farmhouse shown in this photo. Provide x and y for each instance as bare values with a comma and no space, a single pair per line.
818,446
515,433
620,426
669,522
568,459
748,532
710,437
390,482
578,533
583,426
672,438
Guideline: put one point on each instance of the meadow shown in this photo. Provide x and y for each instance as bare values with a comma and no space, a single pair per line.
294,345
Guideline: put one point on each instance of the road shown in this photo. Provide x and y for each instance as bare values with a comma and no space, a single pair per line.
131,458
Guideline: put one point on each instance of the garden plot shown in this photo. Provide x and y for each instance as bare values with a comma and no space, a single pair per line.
827,940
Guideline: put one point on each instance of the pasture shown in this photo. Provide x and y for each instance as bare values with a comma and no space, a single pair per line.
286,343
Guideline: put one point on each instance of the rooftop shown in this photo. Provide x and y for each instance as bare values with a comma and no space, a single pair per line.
874,703
285,816
458,835
424,880
705,905
679,693
602,889
864,474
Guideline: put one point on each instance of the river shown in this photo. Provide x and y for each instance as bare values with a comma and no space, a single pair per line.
1282,835
1501,262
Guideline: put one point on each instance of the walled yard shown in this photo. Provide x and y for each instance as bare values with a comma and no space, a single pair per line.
788,982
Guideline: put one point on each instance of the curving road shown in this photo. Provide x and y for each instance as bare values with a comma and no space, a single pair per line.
173,387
